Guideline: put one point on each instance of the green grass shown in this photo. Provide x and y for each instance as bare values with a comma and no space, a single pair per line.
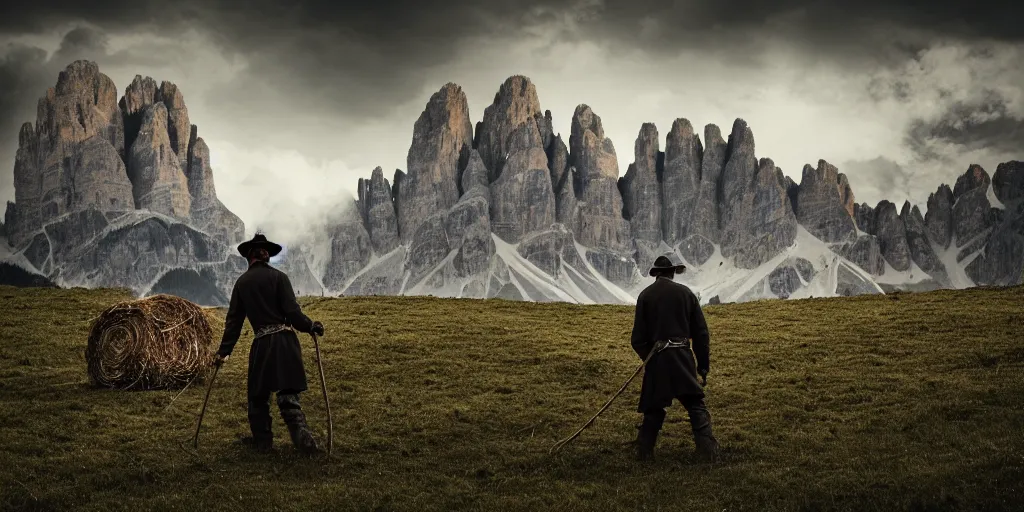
900,402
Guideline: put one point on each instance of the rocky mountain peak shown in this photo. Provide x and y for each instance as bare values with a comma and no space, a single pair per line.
1008,181
646,150
741,138
585,121
971,207
79,77
641,188
975,177
144,92
83,104
158,183
377,207
706,216
921,251
514,104
939,216
140,94
104,163
892,236
440,136
597,171
825,202
590,152
170,95
681,185
53,172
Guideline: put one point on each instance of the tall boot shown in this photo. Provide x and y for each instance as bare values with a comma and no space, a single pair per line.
293,416
647,434
260,425
703,438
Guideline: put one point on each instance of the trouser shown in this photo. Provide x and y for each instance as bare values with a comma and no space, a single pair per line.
700,423
291,412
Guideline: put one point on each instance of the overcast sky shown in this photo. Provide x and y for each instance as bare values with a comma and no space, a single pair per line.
298,101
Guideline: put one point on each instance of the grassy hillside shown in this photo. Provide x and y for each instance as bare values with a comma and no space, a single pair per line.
901,402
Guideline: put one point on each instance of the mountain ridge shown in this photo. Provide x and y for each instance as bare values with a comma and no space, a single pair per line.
500,208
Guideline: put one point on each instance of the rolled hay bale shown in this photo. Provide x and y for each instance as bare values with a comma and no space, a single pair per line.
159,342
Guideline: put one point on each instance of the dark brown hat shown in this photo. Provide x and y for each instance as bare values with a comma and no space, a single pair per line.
259,242
663,263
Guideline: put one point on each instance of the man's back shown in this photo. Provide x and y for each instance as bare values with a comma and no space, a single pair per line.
259,291
265,296
667,310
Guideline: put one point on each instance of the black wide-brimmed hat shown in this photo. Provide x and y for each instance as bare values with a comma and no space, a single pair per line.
259,242
663,263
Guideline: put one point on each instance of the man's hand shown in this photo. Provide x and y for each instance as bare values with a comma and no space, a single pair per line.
220,360
318,328
703,377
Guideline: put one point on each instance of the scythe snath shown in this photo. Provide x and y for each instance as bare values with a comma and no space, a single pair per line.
202,412
657,348
327,401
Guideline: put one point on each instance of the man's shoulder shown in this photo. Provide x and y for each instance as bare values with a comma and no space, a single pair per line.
685,290
651,289
667,287
260,272
682,287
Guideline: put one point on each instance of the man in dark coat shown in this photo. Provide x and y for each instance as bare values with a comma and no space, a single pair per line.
265,296
668,316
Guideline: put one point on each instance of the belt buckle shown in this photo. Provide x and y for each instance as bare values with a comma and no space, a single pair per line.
267,330
676,344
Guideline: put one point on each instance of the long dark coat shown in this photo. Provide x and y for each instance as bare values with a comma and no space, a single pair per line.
667,310
265,296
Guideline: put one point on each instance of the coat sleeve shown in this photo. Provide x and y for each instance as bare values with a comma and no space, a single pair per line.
640,339
701,336
292,312
232,323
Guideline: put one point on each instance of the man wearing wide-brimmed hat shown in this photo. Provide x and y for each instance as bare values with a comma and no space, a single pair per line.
265,296
668,315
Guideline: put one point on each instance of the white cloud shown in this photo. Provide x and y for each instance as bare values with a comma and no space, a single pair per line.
279,190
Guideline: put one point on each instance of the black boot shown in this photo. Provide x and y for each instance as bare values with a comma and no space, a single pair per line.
703,438
260,424
647,435
293,416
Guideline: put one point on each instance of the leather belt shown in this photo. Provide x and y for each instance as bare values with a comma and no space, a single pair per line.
267,330
674,344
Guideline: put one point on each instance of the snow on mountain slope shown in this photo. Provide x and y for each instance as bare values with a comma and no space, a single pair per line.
509,268
823,273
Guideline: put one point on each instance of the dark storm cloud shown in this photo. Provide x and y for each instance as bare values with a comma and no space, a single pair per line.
432,22
830,20
377,49
986,124
27,71
25,74
358,59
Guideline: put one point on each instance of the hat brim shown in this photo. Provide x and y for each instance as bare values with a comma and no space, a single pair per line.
272,248
674,268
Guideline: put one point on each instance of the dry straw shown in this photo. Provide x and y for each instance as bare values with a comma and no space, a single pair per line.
159,342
